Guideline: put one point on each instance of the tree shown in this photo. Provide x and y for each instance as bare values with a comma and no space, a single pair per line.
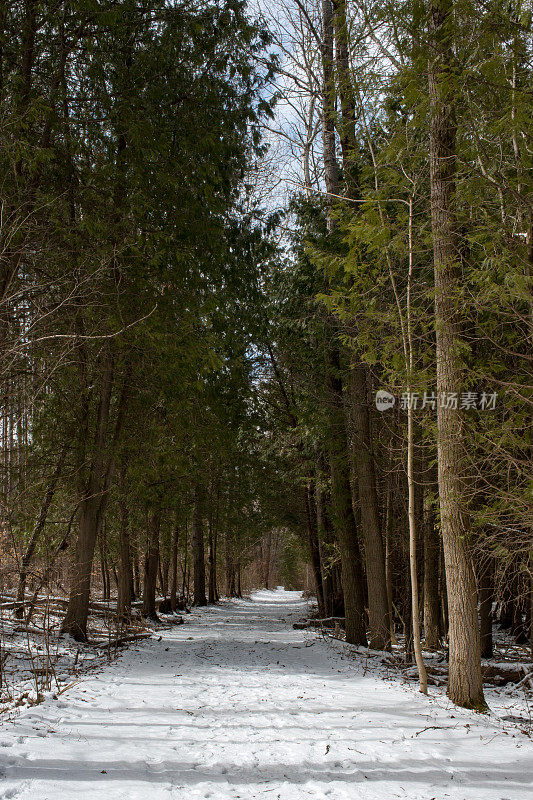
464,685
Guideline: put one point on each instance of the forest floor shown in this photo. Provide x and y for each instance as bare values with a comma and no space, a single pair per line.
236,704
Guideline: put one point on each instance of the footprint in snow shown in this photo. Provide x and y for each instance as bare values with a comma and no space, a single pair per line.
13,792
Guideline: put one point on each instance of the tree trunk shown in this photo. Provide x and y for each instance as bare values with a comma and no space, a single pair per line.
124,562
519,629
325,544
265,557
239,587
314,549
93,503
413,566
164,566
486,593
136,572
151,564
174,568
531,599
378,608
75,621
343,515
102,545
211,595
231,591
185,579
431,579
36,533
388,560
335,18
464,683
197,541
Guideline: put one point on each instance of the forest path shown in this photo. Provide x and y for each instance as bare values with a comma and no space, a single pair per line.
237,705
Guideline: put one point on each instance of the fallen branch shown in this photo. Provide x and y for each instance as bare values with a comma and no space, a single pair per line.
327,622
121,640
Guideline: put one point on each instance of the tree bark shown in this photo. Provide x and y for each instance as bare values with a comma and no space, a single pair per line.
314,548
431,579
164,565
151,564
174,567
211,590
378,611
91,509
332,583
378,608
136,572
198,550
239,585
343,515
124,562
229,565
464,683
486,593
413,566
102,546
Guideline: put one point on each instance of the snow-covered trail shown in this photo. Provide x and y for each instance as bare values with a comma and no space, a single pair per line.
237,704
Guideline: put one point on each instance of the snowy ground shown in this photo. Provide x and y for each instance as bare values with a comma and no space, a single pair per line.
36,661
236,704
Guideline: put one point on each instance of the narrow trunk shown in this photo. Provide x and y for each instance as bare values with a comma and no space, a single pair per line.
124,563
343,515
174,568
164,565
325,546
185,579
151,563
267,540
531,600
431,579
378,607
93,503
36,533
519,630
212,568
197,540
136,572
422,675
388,562
239,587
378,611
230,567
464,683
486,593
314,549
103,560
75,621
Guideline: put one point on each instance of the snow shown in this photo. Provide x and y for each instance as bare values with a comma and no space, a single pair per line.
37,660
235,704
